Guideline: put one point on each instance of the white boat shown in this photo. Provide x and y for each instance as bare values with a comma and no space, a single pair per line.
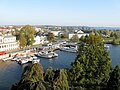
5,59
35,60
44,55
53,54
14,59
18,59
47,54
23,61
69,49
34,57
106,47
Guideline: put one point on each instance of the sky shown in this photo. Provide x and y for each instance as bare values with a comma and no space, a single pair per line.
60,12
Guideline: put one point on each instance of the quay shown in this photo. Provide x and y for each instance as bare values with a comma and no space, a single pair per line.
35,49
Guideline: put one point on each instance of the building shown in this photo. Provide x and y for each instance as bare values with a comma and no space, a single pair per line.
78,33
8,43
40,40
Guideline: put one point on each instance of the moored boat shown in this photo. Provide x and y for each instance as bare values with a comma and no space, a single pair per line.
35,60
106,47
44,55
23,61
47,54
69,49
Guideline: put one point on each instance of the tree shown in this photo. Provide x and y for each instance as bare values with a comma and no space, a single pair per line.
16,33
33,73
115,42
75,38
64,36
57,79
114,81
49,75
29,32
60,82
22,40
50,37
92,64
32,79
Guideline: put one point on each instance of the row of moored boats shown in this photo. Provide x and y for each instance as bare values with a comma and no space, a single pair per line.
45,54
24,60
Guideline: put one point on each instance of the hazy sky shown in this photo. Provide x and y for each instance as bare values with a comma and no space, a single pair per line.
60,12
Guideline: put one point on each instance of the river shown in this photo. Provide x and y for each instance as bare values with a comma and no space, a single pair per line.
10,72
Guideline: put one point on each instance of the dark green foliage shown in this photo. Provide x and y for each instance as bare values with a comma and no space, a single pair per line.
114,81
32,73
49,75
115,42
92,65
57,79
61,83
32,79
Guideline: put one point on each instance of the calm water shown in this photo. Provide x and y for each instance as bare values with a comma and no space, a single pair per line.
115,55
10,72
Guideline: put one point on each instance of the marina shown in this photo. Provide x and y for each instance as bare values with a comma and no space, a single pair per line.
11,71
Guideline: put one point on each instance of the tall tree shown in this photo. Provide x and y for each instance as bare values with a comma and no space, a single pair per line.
64,36
32,79
29,32
92,64
51,37
114,81
75,38
16,33
57,79
33,73
22,40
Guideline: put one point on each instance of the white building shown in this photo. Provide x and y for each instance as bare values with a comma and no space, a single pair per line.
78,33
40,40
8,43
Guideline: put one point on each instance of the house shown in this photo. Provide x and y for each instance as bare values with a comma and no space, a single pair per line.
40,40
79,33
8,43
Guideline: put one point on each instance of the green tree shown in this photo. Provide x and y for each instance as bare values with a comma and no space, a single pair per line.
92,64
116,35
64,36
115,42
32,79
75,38
29,32
114,81
50,37
16,33
57,79
49,75
61,83
33,73
22,40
